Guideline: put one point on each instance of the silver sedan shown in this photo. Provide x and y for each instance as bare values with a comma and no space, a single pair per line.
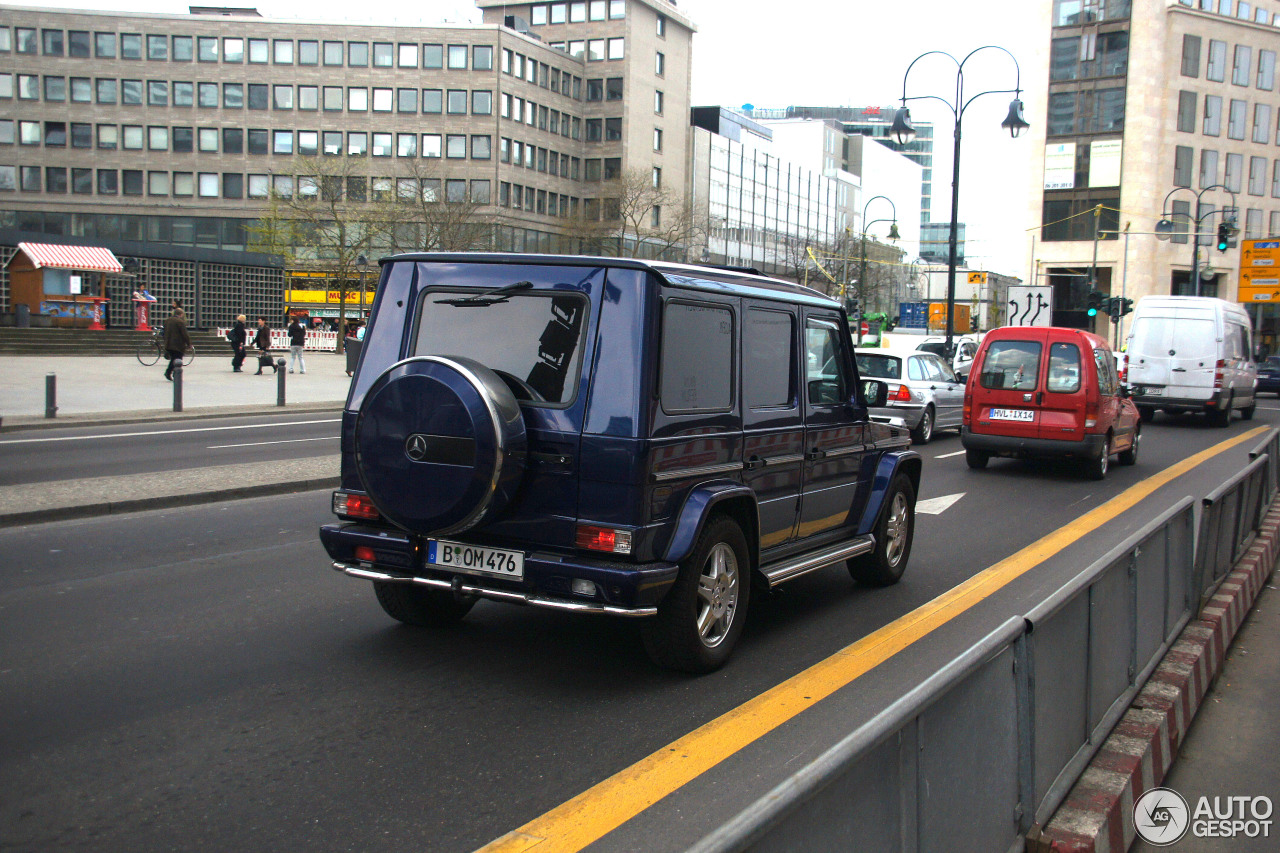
924,393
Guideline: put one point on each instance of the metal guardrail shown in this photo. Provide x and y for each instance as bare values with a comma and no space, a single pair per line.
988,747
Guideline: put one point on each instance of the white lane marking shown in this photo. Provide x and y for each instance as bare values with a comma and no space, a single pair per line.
937,506
166,432
949,455
281,441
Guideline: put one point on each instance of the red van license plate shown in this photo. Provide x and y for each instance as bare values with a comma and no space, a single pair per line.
1012,415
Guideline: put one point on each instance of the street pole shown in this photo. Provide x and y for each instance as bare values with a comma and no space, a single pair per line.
1093,267
1124,286
1195,252
951,247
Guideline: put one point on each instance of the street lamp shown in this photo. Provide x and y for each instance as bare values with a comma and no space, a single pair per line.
1165,227
893,235
904,132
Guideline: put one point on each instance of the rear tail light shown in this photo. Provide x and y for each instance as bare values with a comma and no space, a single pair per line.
902,395
354,506
1217,374
968,407
1090,412
364,554
592,537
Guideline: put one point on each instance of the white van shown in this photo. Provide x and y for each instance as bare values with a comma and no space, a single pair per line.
1191,354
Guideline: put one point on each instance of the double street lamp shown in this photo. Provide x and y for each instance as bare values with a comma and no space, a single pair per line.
1166,227
903,132
866,226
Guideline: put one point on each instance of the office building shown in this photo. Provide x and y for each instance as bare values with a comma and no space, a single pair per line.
1154,109
166,136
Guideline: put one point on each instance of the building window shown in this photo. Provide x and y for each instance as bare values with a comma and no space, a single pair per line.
207,95
333,53
157,183
233,96
259,95
1236,119
1261,123
612,129
55,89
1212,115
157,138
1253,224
55,178
259,51
382,100
281,54
257,140
1242,65
1181,216
457,102
184,184
482,58
357,144
108,137
357,54
458,56
455,146
308,54
308,98
1266,70
233,50
1216,69
1208,168
433,101
1234,177
357,99
455,191
657,103
1183,156
383,56
432,145
132,181
1257,175
207,139
657,139
433,56
596,10
481,147
108,182
308,143
104,45
332,143
157,93
595,90
407,100
577,13
259,186
407,55
183,48
616,49
207,48
232,185
157,48
1275,183
183,140
131,92
482,102
183,93
595,50
406,145
613,89
381,145
53,42
333,98
660,65
618,10
595,130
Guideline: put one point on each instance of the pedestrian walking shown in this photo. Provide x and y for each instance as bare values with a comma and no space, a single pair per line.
262,343
238,337
176,340
297,340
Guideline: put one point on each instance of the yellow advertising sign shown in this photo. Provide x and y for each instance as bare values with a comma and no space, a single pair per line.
977,278
325,297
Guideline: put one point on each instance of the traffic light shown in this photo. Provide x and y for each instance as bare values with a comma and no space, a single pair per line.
1094,303
1126,307
1224,236
1112,306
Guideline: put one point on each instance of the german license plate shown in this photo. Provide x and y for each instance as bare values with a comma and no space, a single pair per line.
1012,415
473,559
1152,392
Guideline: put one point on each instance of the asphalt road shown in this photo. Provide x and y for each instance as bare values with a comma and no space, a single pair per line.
198,679
49,455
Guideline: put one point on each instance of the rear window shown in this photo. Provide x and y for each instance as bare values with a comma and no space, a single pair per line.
697,357
533,341
937,348
879,366
1012,365
1064,369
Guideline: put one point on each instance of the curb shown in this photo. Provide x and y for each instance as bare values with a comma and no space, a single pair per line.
21,423
91,510
1097,815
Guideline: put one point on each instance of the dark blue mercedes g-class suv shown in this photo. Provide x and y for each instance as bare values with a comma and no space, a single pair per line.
606,435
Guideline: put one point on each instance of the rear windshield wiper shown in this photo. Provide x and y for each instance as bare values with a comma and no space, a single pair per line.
489,297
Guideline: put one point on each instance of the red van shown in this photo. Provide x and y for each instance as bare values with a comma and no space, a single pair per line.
1048,392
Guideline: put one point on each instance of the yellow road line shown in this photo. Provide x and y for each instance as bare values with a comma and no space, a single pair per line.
607,805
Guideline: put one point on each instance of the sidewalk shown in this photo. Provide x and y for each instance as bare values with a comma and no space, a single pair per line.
101,388
118,390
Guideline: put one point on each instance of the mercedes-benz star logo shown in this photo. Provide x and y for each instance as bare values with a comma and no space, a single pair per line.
415,447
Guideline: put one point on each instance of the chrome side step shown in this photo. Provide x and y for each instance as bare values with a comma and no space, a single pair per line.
460,587
782,572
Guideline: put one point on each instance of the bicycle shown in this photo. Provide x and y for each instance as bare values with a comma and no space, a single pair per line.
152,350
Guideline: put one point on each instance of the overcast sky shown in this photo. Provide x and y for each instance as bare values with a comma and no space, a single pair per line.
820,52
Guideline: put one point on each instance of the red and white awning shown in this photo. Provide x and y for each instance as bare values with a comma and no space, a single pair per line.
60,257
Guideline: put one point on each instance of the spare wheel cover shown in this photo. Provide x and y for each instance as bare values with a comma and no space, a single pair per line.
440,444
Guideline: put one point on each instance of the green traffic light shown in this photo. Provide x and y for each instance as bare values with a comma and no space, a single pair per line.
1093,312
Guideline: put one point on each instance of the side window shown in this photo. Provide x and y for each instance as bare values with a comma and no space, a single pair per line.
1106,372
768,359
1064,369
826,373
1013,365
916,369
697,357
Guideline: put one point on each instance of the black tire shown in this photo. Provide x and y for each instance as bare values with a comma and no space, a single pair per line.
922,433
894,531
1096,468
1221,417
1247,412
415,605
700,619
1147,413
148,353
976,459
1130,456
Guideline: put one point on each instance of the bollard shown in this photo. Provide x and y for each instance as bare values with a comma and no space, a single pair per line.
51,395
177,387
280,371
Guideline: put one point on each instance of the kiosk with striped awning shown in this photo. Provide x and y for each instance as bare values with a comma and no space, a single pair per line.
61,282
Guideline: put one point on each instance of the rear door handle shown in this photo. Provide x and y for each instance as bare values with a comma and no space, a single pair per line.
815,454
755,462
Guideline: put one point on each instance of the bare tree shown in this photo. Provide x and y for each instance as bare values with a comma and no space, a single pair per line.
441,215
649,218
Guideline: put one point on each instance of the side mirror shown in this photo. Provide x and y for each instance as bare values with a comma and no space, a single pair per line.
875,393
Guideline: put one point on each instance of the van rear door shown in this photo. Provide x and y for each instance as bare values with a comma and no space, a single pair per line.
1061,399
1174,353
1008,380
